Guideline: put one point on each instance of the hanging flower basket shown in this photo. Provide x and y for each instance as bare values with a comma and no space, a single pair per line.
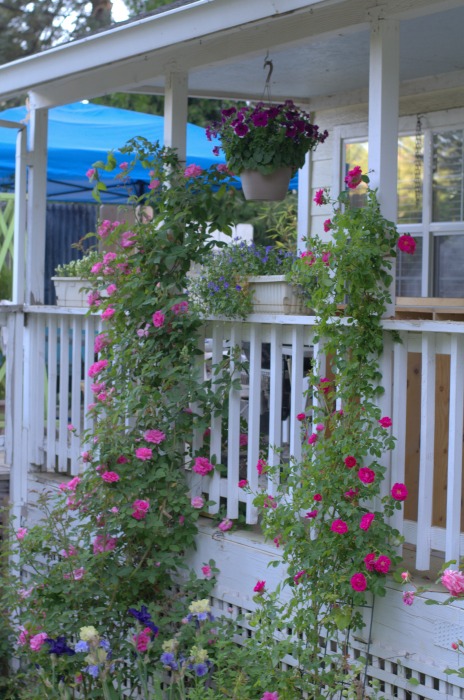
269,188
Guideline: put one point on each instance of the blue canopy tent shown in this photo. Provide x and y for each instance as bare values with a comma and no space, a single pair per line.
80,134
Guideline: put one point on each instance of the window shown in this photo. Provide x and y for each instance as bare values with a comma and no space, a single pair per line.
431,208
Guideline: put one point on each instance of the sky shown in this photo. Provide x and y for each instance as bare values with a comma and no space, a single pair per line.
119,11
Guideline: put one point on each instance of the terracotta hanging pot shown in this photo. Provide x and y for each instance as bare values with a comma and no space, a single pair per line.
270,188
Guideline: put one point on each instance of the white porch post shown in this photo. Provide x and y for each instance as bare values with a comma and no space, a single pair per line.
20,204
175,112
383,119
37,205
304,204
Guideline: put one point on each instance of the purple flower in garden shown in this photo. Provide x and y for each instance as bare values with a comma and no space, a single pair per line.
260,118
201,669
144,617
92,670
241,130
169,660
81,646
59,647
408,597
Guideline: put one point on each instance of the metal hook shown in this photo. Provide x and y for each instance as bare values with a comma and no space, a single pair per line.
268,63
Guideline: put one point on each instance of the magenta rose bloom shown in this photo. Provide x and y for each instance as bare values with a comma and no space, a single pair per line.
358,582
154,436
225,525
101,341
385,422
144,453
399,492
319,198
301,416
407,244
110,477
366,475
453,581
353,177
339,526
369,561
350,461
97,367
366,521
193,171
382,564
202,466
158,319
260,587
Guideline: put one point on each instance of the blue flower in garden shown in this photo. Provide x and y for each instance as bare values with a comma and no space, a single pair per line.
144,617
104,644
201,669
238,288
59,647
81,646
168,659
92,670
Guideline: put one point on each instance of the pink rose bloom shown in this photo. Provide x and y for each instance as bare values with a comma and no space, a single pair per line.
308,257
144,453
108,313
326,258
97,388
123,268
197,502
90,174
385,422
225,525
453,581
202,466
311,514
37,641
319,197
350,461
124,165
351,493
193,171
221,167
94,299
127,239
358,582
312,439
261,466
243,441
122,460
296,578
23,636
408,597
206,571
353,177
317,497
109,257
324,385
242,483
140,509
142,640
76,575
339,526
399,492
407,244
158,319
320,427
110,477
366,475
327,225
101,341
154,436
153,184
111,289
260,587
405,576
301,416
104,229
366,521
180,308
382,564
101,543
86,457
21,533
270,502
270,696
70,485
71,552
369,561
97,268
97,367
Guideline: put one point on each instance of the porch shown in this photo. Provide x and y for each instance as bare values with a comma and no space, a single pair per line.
49,351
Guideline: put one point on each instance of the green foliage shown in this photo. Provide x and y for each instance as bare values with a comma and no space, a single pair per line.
79,268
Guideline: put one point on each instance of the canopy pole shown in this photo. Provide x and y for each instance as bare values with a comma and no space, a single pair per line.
37,204
175,112
20,204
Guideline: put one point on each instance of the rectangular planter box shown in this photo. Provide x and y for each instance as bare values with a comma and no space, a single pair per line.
68,291
272,294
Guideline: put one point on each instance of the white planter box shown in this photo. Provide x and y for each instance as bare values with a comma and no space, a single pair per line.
68,291
272,294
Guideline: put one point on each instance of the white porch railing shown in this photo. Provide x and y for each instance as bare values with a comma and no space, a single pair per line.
51,389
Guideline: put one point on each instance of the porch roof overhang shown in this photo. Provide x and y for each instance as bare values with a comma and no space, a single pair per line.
319,48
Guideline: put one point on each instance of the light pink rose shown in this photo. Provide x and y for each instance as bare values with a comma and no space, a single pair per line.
143,453
158,319
193,171
21,533
202,466
110,477
197,502
108,313
37,641
453,581
154,436
226,524
206,571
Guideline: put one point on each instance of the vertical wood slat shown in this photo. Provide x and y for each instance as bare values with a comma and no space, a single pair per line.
424,515
51,400
76,382
454,482
40,400
63,410
385,404
233,435
400,379
297,397
216,421
197,482
254,415
275,405
90,328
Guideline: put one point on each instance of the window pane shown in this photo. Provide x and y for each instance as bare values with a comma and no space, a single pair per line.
410,159
448,278
447,176
409,272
